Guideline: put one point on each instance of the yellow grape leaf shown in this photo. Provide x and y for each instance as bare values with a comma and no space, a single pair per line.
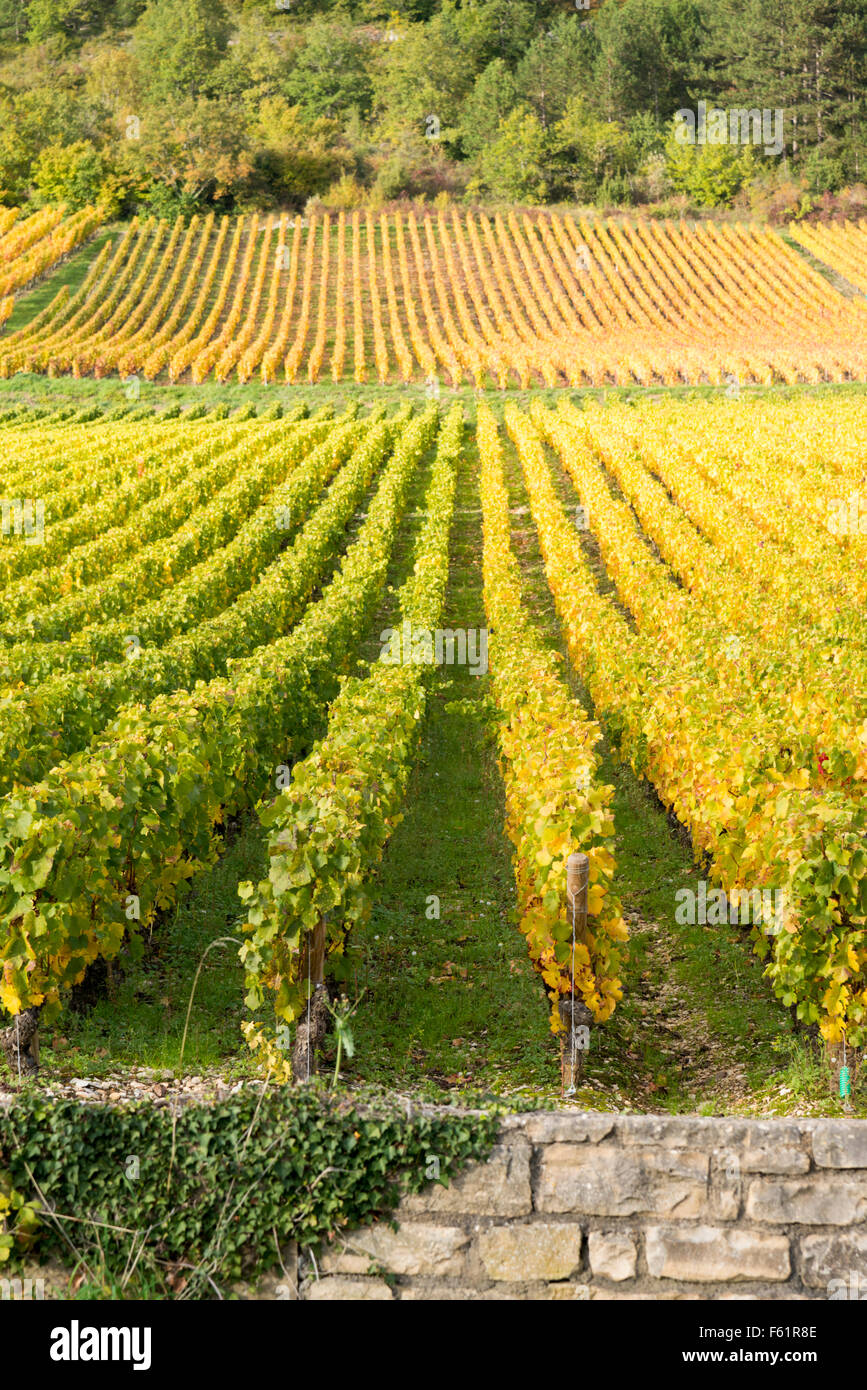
617,929
9,997
595,898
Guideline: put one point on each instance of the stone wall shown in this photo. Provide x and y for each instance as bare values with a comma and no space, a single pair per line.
594,1206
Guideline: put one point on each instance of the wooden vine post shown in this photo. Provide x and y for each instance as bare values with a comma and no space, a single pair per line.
574,1013
311,1030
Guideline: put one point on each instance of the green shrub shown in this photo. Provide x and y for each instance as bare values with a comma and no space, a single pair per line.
232,1181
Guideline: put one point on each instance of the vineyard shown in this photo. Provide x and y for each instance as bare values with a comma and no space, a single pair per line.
513,299
433,668
840,247
32,246
209,621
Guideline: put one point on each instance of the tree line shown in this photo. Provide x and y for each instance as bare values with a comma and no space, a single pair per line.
177,105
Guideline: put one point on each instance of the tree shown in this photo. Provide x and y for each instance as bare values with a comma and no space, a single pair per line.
808,61
30,120
648,50
428,74
198,150
13,21
179,45
330,73
491,99
557,65
594,155
66,19
489,29
515,166
296,156
111,84
128,12
710,175
78,175
384,11
258,58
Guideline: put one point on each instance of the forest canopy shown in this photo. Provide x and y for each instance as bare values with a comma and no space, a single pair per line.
176,105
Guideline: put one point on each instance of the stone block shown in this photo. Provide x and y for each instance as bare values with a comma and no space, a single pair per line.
543,1250
608,1181
418,1248
817,1199
347,1290
613,1254
500,1187
837,1256
567,1128
714,1254
840,1144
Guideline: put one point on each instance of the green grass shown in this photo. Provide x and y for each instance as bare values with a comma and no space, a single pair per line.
71,274
141,1019
450,1001
34,389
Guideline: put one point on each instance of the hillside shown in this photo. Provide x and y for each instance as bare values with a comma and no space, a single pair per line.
179,106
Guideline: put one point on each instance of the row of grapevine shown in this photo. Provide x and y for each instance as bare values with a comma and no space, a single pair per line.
714,727
90,527
107,835
746,541
838,245
345,798
66,480
539,298
33,246
155,545
223,609
549,759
